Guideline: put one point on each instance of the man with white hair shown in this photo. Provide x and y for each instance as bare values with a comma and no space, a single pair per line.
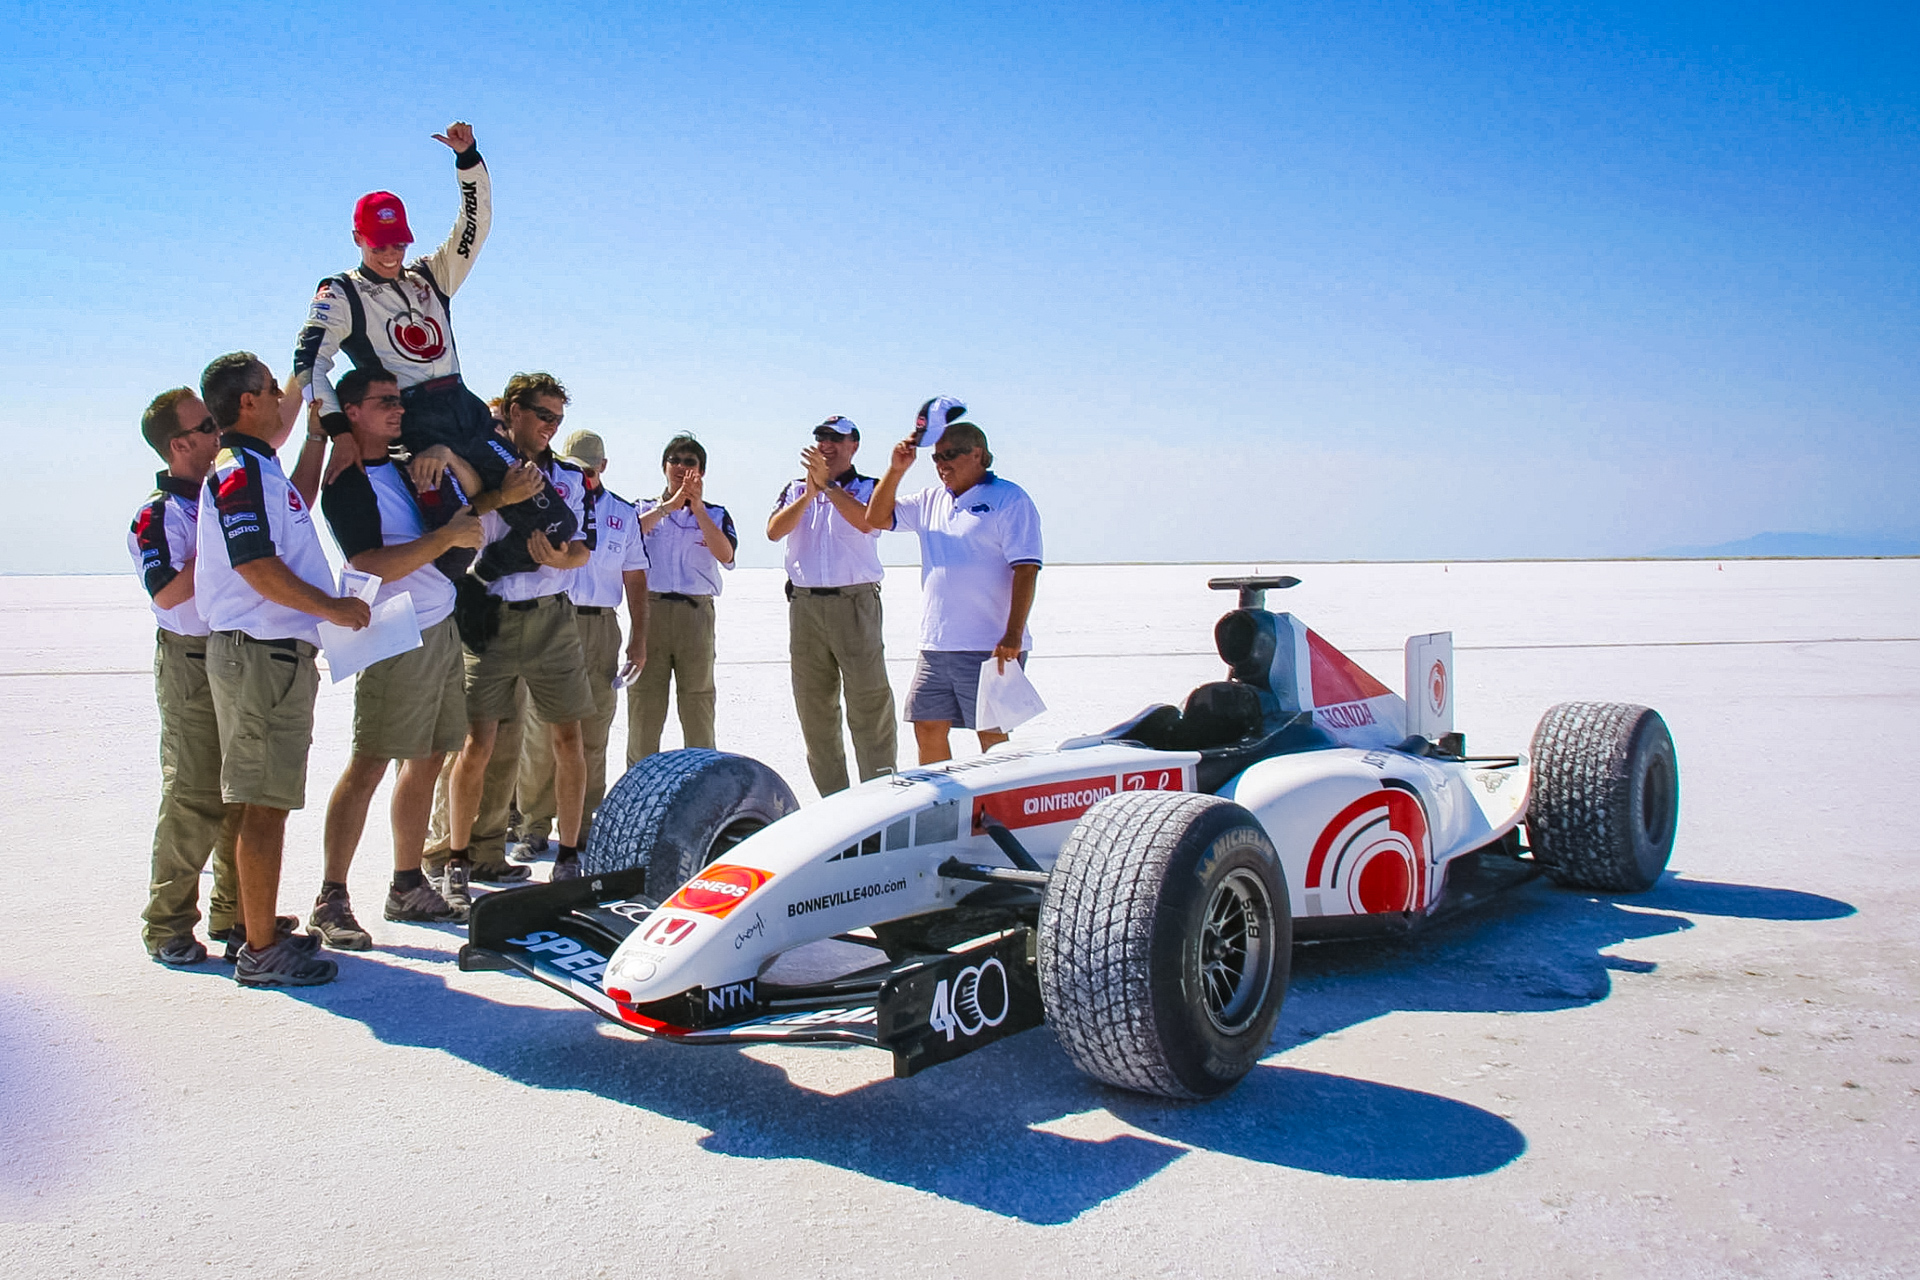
980,557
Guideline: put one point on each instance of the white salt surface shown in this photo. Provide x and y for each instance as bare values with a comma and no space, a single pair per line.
1715,1078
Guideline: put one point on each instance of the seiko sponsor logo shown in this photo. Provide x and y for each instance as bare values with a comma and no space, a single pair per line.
470,217
1346,715
734,996
581,962
841,897
234,530
977,999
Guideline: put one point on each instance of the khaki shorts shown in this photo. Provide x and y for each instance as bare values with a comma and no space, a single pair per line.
539,642
415,703
263,700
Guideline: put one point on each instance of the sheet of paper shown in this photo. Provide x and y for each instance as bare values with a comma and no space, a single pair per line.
355,583
395,629
1007,698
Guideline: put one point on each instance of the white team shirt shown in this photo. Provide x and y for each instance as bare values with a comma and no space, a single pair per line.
617,547
968,547
250,511
376,508
824,550
677,551
541,580
163,541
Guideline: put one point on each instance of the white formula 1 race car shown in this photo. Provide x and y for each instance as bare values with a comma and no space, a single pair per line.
1140,890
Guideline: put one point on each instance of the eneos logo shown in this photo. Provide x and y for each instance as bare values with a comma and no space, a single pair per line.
718,890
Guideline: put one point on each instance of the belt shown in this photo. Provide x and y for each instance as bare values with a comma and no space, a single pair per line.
528,606
793,591
436,384
591,610
300,647
681,596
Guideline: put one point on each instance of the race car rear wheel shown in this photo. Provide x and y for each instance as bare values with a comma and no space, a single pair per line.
676,811
1165,943
1606,796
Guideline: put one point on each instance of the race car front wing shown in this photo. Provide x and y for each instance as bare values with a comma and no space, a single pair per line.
924,1009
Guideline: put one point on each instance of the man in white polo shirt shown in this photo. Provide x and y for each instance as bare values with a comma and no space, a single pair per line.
689,541
537,641
833,610
616,570
193,820
263,583
411,707
980,557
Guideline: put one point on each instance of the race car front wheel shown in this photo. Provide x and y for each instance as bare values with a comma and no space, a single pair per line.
676,811
1165,943
1606,796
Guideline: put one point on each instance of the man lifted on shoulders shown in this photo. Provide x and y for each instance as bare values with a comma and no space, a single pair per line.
393,316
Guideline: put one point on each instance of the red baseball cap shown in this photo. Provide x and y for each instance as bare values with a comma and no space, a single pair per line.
381,220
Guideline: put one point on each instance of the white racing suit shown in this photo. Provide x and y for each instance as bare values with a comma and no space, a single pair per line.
404,326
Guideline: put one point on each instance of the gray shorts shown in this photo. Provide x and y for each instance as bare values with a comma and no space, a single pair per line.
946,685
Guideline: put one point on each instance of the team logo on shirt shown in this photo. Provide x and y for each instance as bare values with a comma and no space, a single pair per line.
293,498
417,337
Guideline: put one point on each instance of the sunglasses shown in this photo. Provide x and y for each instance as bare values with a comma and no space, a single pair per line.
206,428
383,402
547,416
683,460
948,455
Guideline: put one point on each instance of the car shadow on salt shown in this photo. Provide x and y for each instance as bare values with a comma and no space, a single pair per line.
999,1129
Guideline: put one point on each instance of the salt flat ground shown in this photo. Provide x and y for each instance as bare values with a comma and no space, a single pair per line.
1715,1078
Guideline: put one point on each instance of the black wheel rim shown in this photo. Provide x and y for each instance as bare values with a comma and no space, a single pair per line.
1656,800
1236,951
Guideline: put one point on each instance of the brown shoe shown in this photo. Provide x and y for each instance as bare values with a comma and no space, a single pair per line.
333,920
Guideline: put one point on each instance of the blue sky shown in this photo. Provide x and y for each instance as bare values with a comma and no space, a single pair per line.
1221,282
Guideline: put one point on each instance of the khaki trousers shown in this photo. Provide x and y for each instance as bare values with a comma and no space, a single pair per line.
488,842
680,645
834,642
600,642
193,822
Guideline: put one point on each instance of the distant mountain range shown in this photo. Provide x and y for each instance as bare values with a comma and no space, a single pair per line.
1798,544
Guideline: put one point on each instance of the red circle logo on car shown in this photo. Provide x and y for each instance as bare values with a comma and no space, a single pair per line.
1437,686
718,889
